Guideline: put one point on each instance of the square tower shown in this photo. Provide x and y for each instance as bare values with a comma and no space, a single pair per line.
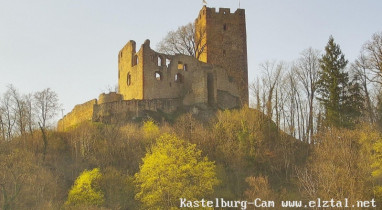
222,40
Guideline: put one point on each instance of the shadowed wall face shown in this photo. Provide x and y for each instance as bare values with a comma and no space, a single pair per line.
223,36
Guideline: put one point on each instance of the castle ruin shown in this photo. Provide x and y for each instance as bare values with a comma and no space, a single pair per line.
153,81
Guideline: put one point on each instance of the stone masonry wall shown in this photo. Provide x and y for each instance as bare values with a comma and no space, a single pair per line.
124,111
130,72
80,113
226,44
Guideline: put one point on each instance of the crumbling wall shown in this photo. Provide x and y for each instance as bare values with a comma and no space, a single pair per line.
80,113
124,111
109,97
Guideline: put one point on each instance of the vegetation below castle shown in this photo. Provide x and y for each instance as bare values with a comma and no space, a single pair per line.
239,155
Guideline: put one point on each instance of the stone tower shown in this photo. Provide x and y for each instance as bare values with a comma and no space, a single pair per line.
221,39
130,72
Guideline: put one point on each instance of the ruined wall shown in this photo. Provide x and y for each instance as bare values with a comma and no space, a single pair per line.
124,111
175,76
158,75
186,78
109,97
224,34
80,113
130,72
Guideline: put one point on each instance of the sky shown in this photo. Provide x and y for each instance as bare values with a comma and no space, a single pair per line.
71,46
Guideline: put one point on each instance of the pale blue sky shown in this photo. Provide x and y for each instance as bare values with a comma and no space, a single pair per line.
71,46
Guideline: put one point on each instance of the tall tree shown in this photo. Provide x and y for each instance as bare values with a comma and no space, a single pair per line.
46,106
360,71
335,91
307,68
19,109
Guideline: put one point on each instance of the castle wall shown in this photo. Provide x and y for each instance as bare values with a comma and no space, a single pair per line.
224,34
172,76
109,97
123,111
130,72
80,113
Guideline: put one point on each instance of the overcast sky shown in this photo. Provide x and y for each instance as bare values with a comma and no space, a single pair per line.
71,46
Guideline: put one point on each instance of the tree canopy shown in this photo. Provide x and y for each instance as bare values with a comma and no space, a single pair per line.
86,189
174,169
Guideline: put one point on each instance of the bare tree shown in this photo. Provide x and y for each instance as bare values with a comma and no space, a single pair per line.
290,87
359,69
306,69
272,75
2,122
19,109
46,107
372,52
183,41
255,89
28,99
8,118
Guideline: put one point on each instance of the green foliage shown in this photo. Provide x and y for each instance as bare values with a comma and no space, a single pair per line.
86,189
174,169
341,99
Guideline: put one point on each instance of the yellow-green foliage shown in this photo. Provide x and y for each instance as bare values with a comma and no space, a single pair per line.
377,166
371,141
174,169
150,130
85,190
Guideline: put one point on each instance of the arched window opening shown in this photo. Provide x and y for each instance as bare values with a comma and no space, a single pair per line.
159,61
128,79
